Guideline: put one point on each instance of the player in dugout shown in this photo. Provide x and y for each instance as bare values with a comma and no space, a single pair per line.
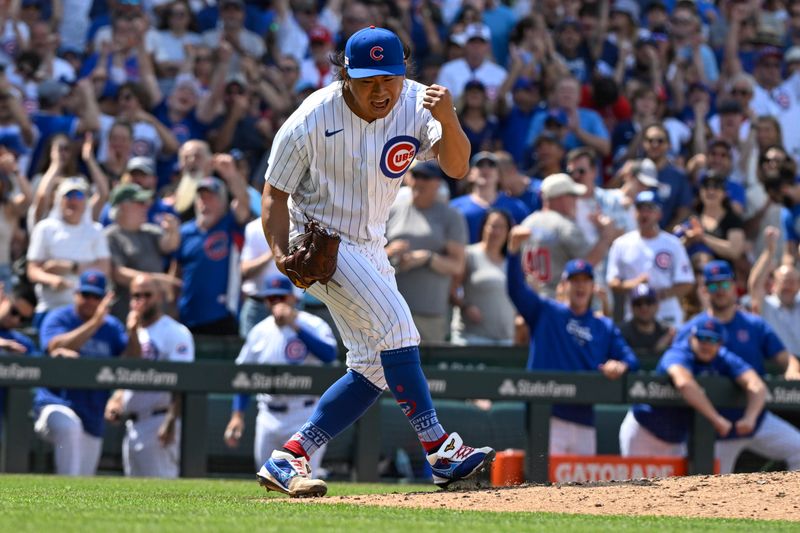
568,337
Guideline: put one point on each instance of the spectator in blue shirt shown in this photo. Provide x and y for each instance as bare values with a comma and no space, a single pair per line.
663,431
568,337
674,189
484,178
209,246
584,127
70,419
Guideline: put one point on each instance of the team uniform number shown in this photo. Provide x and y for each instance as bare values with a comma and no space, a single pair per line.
537,263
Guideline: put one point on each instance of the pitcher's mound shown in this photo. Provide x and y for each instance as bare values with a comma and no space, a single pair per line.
762,496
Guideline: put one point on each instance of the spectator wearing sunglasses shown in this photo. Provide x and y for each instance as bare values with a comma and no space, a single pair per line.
151,446
754,340
70,419
674,189
664,431
647,336
63,246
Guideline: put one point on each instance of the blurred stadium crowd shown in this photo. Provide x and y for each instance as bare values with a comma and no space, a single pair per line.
647,138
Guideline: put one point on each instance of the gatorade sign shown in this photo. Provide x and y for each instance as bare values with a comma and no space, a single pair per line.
578,468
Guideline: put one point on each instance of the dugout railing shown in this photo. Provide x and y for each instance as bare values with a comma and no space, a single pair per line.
539,390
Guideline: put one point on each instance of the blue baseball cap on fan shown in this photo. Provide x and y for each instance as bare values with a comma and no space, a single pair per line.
92,282
374,52
710,330
718,270
576,267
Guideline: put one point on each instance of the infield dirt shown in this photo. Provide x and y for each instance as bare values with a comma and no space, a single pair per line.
762,496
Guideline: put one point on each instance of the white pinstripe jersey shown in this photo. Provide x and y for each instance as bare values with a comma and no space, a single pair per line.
345,172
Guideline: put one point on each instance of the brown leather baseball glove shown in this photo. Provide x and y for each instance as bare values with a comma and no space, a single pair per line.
312,256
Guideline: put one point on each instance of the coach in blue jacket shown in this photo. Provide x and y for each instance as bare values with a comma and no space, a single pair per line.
568,337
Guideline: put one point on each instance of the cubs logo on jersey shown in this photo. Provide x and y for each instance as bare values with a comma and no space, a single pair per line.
295,351
397,155
216,246
664,260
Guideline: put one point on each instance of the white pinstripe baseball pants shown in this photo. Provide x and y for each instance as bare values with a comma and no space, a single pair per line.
369,311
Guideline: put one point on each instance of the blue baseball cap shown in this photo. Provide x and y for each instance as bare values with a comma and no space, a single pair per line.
647,198
276,285
576,267
710,329
93,282
643,291
557,116
717,271
374,52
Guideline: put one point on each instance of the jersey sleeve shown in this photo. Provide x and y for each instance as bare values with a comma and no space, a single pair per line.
526,300
430,135
675,356
182,346
288,159
55,323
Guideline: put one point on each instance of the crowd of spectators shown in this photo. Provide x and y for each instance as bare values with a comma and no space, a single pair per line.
646,138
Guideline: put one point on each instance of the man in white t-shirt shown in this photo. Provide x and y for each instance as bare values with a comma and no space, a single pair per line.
63,245
653,256
475,65
151,446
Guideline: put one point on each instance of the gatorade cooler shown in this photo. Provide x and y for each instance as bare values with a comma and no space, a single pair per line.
508,468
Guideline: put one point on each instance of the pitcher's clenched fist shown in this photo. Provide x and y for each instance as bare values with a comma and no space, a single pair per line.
439,102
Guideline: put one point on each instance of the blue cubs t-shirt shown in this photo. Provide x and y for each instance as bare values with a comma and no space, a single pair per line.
674,191
205,259
672,424
109,341
562,340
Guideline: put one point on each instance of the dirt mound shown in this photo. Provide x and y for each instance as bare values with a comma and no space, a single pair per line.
763,496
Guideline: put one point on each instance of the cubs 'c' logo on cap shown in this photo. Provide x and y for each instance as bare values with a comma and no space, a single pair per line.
276,282
397,155
376,53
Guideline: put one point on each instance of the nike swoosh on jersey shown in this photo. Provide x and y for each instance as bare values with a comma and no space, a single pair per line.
334,132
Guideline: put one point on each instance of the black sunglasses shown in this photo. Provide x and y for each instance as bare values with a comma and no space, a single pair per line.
91,295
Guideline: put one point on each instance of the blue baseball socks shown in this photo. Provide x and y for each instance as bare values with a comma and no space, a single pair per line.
341,405
408,385
350,397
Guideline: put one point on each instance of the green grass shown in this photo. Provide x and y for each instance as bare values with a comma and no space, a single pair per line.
42,503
